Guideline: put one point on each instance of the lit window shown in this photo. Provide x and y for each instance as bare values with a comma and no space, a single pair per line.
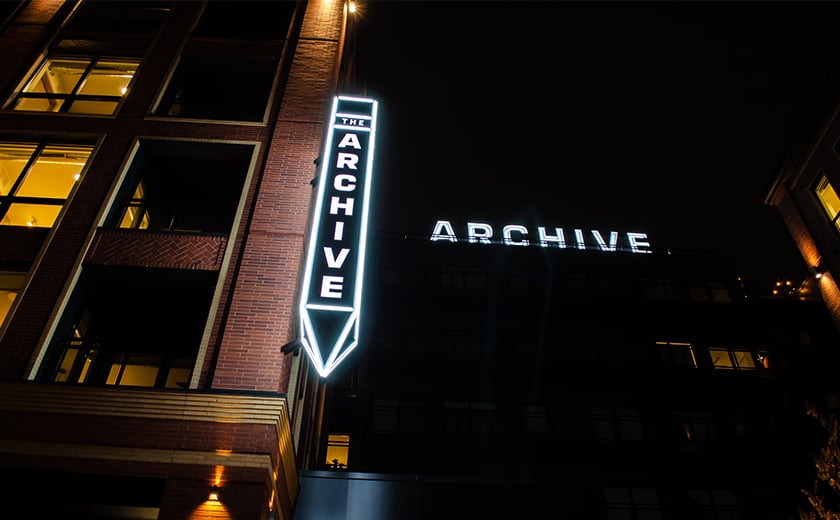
10,284
732,359
829,200
36,179
338,450
82,85
128,327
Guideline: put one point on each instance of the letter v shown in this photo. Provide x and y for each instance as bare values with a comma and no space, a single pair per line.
332,261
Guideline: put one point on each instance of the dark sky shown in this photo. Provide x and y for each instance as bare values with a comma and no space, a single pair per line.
670,118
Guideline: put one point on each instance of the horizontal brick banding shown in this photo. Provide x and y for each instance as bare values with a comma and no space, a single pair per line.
244,432
129,247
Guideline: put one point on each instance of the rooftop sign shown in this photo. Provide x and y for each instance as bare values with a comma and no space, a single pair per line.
331,294
518,235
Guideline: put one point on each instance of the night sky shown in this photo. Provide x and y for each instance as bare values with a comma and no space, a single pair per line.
668,118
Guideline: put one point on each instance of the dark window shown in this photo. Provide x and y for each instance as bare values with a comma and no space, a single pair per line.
93,497
631,504
128,327
183,187
219,87
105,17
246,20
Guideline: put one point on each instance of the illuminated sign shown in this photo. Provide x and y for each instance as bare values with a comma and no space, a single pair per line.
331,294
518,235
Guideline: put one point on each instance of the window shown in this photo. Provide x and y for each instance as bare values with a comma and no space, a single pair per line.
384,415
536,419
617,424
732,359
36,179
338,450
696,425
470,417
675,353
219,87
10,284
719,504
712,291
828,199
182,186
121,18
246,20
658,290
631,504
463,278
127,327
77,84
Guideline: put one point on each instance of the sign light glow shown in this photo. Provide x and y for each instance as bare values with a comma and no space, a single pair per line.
331,294
517,235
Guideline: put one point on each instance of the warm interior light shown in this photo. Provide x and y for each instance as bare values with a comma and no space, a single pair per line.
214,493
352,7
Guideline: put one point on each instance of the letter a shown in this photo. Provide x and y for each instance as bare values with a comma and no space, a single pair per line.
443,231
350,140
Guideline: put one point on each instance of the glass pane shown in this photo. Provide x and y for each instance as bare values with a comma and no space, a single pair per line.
66,365
109,78
828,197
13,158
10,284
57,76
720,358
134,218
178,378
338,450
90,358
743,359
139,375
31,215
103,108
55,172
39,104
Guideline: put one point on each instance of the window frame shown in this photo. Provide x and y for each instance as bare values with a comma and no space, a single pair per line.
735,361
822,184
64,101
10,198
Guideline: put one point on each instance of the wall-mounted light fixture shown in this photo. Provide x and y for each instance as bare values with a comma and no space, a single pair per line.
817,271
214,494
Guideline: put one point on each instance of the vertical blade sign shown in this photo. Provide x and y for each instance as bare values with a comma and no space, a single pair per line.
331,293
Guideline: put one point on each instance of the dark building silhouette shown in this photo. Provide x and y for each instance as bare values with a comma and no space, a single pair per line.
503,381
158,166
